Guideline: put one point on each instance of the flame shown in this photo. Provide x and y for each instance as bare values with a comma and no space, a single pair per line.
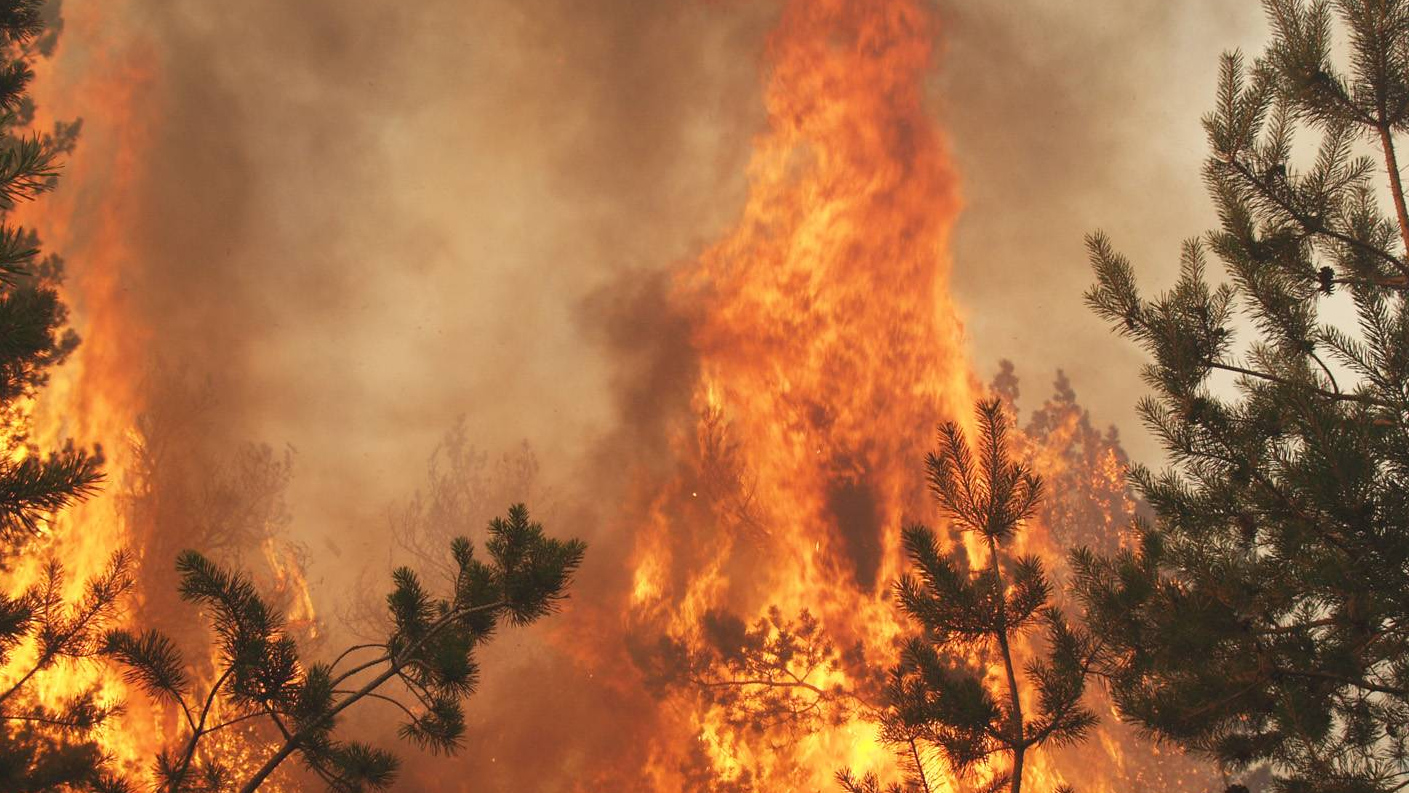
94,398
829,349
111,75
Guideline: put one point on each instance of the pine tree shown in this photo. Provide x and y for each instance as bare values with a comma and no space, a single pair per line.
46,747
43,746
937,699
1264,617
424,667
32,335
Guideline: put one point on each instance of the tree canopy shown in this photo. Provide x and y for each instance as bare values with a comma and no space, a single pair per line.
1263,616
423,668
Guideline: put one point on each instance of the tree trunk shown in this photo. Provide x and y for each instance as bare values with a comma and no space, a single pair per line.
1396,188
1017,769
1015,725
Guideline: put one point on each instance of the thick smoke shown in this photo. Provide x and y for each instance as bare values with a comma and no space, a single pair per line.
353,222
360,221
1064,120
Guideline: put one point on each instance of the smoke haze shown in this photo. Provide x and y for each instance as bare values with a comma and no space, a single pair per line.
1065,122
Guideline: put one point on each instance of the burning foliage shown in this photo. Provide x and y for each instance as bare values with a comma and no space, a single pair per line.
779,677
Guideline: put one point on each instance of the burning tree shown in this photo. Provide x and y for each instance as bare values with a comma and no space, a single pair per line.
33,338
939,700
424,667
1263,618
781,678
43,746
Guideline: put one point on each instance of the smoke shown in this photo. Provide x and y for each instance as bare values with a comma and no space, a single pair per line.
1065,121
341,227
354,222
360,221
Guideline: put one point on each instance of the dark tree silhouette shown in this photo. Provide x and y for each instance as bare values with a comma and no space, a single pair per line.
937,705
424,667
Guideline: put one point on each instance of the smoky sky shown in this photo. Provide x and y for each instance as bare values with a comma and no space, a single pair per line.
354,221
362,220
1066,119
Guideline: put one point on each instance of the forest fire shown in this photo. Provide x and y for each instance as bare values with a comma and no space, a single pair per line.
106,395
828,349
749,612
95,399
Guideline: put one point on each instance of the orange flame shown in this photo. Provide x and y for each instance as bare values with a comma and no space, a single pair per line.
830,348
110,74
95,398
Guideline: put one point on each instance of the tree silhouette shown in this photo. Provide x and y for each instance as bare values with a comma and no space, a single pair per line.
424,667
938,700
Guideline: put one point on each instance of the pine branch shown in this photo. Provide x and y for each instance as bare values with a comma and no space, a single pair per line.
1395,185
1334,396
232,722
409,714
1364,685
919,767
198,730
1313,226
1016,740
64,635
766,682
354,648
35,487
394,667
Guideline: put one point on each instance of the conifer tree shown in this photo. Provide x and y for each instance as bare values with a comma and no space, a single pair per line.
32,317
43,746
423,668
937,697
786,675
1263,618
49,746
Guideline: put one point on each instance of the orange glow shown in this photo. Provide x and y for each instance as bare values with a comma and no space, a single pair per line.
94,398
100,394
829,350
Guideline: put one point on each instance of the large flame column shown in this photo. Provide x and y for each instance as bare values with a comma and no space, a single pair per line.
829,349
